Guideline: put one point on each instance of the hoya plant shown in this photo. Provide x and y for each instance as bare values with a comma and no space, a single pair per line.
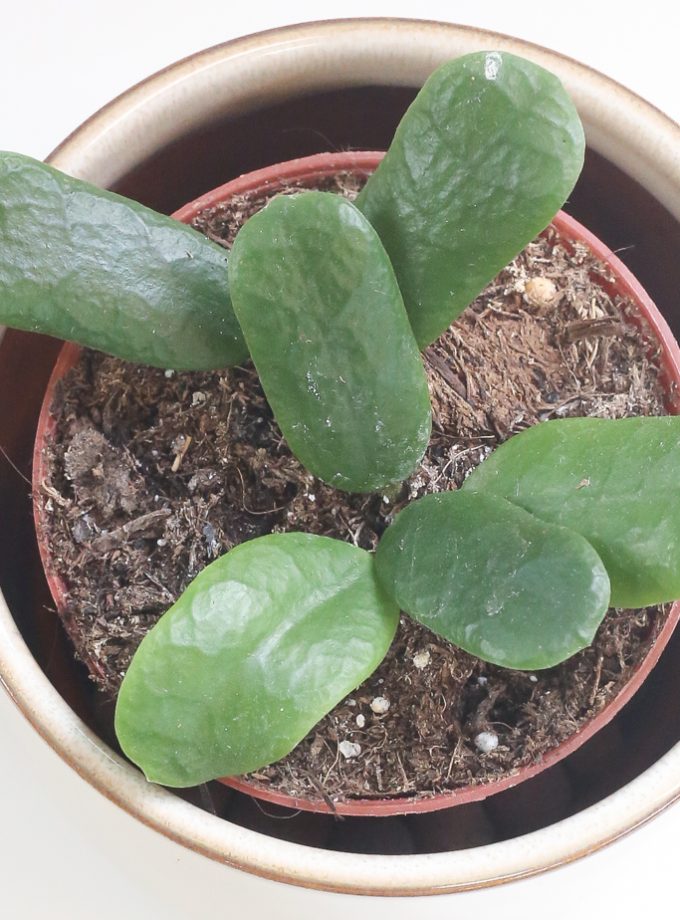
333,302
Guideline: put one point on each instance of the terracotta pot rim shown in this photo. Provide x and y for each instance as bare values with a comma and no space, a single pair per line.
625,129
309,170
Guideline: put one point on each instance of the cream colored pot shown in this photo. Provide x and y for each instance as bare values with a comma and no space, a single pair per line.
198,123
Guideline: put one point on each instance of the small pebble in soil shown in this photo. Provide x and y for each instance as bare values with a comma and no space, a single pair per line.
349,749
380,705
540,292
361,720
486,742
82,532
421,659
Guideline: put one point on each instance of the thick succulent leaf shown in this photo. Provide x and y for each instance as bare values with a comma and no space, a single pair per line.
493,579
616,482
319,305
481,162
261,645
92,267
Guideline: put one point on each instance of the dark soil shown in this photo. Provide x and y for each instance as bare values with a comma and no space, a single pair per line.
154,474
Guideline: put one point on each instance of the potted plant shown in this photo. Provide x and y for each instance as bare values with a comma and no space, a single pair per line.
312,285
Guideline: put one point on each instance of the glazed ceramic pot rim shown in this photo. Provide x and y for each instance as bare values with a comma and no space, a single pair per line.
229,78
264,68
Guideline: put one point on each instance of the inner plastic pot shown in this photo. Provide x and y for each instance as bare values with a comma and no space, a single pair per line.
307,172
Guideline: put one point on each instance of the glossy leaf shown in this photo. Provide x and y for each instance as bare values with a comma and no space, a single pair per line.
262,644
481,162
326,327
92,267
493,579
617,482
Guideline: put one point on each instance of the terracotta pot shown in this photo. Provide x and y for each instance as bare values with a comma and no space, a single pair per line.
231,109
309,171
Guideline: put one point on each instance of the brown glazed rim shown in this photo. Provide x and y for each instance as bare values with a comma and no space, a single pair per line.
72,153
306,171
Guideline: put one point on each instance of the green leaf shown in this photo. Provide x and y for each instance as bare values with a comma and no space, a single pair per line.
480,163
261,645
326,327
493,579
616,482
91,267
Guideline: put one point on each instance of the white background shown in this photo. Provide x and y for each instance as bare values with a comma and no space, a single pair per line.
66,852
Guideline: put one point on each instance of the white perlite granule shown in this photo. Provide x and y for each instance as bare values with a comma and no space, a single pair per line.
486,742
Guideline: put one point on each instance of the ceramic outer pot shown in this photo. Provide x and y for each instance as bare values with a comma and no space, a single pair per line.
306,172
638,148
